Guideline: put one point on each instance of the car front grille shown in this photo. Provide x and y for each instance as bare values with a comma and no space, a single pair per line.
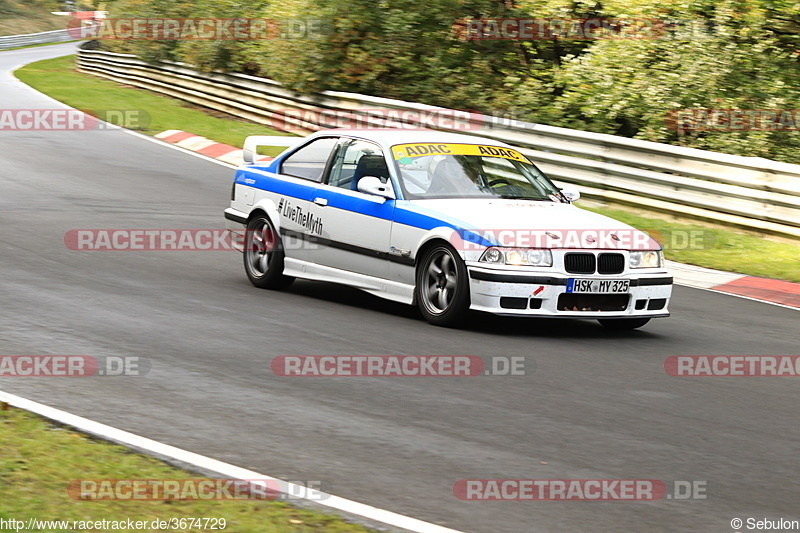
587,263
579,263
610,263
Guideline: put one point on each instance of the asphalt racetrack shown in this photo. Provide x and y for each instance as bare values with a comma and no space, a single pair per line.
593,404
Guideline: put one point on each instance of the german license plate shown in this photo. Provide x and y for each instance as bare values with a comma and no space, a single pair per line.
598,286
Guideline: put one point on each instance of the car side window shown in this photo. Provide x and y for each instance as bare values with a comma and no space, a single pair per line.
309,161
354,160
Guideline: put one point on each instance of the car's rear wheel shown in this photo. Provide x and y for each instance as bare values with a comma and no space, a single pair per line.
442,286
621,324
263,255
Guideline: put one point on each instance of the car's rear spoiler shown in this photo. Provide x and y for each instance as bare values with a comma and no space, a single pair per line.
252,143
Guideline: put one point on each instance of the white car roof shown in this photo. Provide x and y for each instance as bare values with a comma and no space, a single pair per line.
393,136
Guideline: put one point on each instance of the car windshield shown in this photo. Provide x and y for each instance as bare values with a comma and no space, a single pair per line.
439,170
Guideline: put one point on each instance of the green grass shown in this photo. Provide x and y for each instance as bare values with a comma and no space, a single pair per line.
39,458
59,79
18,17
721,249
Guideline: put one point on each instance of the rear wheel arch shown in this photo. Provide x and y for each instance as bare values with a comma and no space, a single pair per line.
263,252
257,212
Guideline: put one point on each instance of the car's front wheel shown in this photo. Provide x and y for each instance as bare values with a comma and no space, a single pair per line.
263,255
621,324
442,286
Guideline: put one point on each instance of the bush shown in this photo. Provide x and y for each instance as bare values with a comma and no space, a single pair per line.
744,55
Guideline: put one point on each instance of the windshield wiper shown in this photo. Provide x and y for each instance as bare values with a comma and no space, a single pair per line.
535,198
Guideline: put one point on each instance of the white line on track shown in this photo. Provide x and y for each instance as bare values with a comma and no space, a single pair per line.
224,470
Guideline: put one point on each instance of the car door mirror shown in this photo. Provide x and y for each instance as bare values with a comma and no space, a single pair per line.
374,185
571,192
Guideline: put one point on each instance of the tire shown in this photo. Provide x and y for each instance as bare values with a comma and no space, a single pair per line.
442,286
263,255
623,324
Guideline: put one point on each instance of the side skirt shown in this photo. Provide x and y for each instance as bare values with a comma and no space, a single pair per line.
391,290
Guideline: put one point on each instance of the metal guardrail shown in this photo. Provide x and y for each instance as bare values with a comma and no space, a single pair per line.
15,41
749,192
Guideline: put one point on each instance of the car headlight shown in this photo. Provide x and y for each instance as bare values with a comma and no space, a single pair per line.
648,259
517,256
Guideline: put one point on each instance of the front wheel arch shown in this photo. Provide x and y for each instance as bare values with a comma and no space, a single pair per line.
441,288
423,249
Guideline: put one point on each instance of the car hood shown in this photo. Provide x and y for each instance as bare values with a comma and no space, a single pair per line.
534,224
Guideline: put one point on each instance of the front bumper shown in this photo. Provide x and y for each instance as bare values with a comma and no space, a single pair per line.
518,293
